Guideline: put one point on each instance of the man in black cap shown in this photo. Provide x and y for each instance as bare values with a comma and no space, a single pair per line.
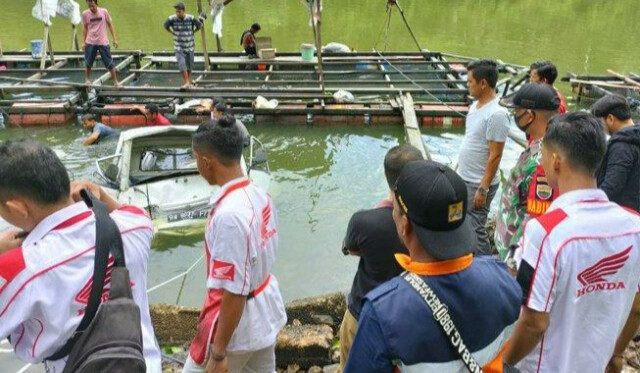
619,174
526,194
183,27
475,296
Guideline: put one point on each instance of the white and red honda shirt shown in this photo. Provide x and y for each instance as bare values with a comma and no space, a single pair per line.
45,284
241,240
581,265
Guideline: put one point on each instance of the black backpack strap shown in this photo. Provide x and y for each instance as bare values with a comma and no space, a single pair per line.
108,240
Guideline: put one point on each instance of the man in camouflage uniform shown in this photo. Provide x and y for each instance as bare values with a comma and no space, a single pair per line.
526,193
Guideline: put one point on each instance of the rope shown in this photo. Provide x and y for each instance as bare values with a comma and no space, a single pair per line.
176,277
418,85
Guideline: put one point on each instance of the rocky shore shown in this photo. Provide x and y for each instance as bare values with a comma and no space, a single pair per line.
309,343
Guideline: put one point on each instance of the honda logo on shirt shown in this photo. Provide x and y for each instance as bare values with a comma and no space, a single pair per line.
265,232
594,278
223,270
83,296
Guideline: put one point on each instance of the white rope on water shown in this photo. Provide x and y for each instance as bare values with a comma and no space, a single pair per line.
24,368
177,277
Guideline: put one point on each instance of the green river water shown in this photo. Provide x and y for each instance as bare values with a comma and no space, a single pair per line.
322,175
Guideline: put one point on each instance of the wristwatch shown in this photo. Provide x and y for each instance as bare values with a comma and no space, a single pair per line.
483,191
216,357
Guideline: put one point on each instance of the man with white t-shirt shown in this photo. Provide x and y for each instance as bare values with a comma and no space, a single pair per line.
487,128
45,282
581,263
243,311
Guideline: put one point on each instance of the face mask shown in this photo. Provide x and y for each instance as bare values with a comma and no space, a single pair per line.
517,118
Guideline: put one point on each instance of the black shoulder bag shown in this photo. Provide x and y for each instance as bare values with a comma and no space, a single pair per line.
109,337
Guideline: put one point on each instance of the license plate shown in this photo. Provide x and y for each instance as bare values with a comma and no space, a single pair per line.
188,215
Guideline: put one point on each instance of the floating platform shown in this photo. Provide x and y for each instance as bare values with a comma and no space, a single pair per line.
590,88
53,96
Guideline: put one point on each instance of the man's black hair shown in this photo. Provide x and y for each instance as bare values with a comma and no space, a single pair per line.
89,117
396,158
616,105
546,70
222,138
153,108
484,69
256,27
92,1
581,138
221,107
31,170
217,100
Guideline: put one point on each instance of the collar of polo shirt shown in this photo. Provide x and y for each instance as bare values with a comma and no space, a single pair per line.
229,187
580,195
52,221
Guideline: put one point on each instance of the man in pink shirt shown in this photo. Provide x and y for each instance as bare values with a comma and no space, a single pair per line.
96,20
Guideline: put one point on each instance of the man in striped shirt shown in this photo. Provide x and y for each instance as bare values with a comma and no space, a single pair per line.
183,27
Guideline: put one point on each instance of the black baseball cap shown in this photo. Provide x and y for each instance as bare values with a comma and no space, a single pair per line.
434,198
533,96
179,5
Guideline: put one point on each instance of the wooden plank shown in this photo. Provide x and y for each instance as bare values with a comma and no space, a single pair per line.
297,72
127,61
623,77
302,90
411,126
269,81
207,62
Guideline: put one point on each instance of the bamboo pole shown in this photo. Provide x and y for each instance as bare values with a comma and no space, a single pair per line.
319,42
45,42
623,77
207,65
74,38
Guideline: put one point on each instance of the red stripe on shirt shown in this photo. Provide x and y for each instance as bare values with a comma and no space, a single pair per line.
11,264
133,209
33,349
74,220
548,222
13,298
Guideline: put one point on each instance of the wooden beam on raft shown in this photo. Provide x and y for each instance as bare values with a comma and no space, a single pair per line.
207,65
74,38
623,77
319,42
411,126
248,73
127,61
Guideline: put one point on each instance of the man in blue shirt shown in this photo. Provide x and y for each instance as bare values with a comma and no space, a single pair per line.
397,330
98,130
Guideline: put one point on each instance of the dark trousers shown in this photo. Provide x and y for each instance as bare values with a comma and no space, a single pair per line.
478,217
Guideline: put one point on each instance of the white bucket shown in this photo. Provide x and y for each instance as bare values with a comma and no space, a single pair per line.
36,48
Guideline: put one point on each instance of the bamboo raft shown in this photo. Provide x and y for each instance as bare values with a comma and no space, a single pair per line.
589,88
31,96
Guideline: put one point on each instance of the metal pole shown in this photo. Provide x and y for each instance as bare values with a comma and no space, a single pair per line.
204,40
